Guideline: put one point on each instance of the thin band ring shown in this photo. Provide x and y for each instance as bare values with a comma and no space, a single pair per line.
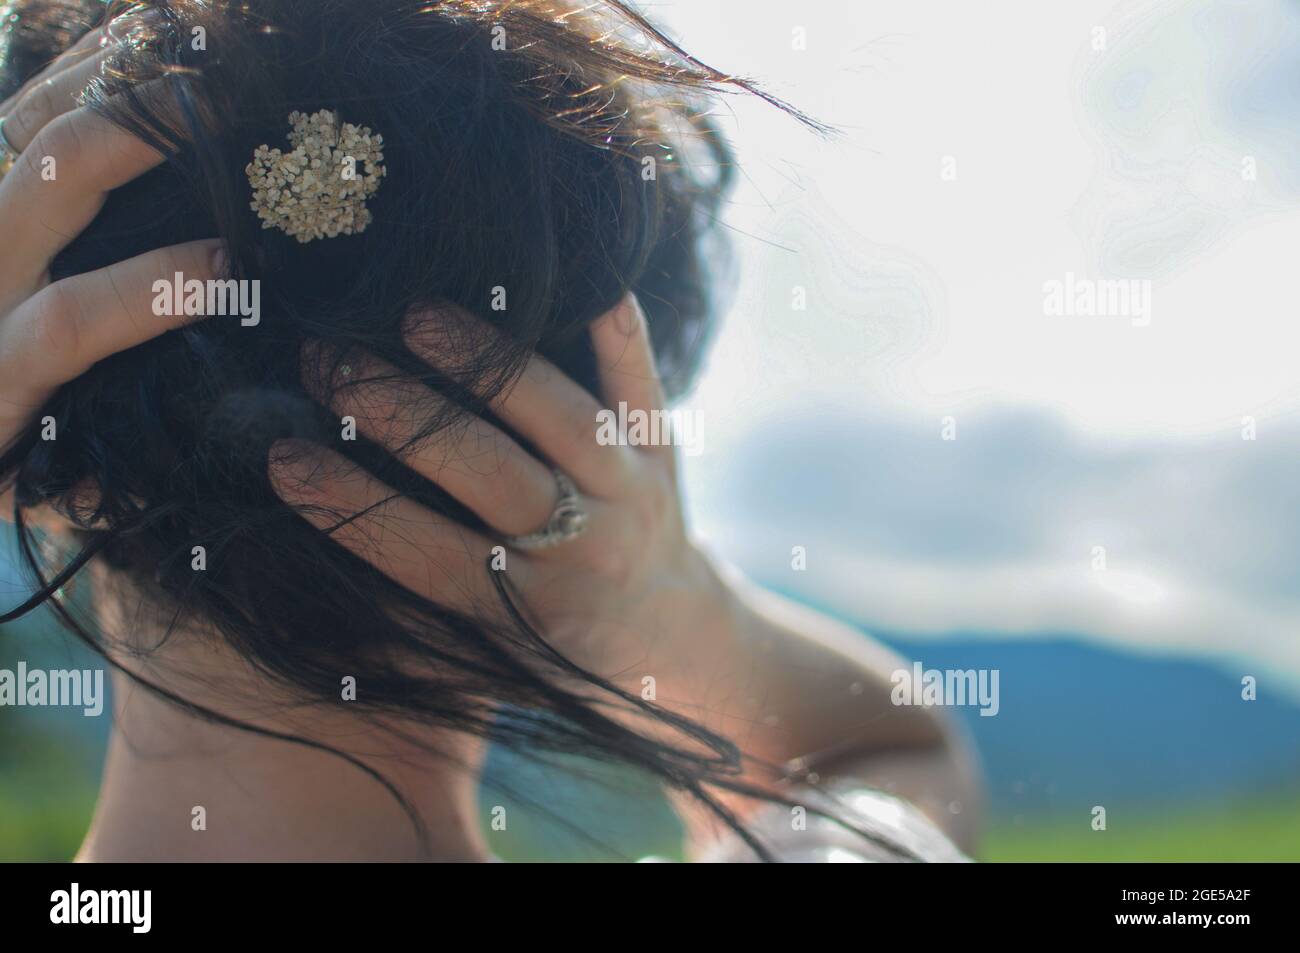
8,154
567,521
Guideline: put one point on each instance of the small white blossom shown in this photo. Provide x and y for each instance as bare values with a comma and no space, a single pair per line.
304,193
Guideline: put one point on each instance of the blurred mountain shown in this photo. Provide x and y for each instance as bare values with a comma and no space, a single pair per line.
1081,725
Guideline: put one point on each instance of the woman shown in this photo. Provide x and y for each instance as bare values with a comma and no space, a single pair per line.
310,309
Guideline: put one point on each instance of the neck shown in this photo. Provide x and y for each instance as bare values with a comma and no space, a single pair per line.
179,788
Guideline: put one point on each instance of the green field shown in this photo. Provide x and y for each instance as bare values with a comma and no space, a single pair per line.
45,808
1264,830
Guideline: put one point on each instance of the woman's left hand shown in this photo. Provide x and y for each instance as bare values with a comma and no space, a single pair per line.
629,597
632,597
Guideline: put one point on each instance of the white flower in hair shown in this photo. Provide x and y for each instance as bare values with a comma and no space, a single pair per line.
318,190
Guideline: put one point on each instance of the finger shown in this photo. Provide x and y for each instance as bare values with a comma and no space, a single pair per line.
477,463
430,555
111,34
47,100
543,405
90,157
625,358
59,333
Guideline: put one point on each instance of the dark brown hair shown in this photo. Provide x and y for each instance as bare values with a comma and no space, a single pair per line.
519,168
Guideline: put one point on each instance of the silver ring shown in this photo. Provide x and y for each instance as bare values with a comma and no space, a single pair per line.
567,521
6,146
8,154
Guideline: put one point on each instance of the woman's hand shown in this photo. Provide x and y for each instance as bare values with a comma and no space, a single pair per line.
629,599
69,160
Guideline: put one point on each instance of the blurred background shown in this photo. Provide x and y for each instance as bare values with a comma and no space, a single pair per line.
888,392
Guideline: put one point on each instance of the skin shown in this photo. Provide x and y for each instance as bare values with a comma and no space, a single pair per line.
633,596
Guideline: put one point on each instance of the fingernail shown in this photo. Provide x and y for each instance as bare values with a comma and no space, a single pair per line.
119,28
624,315
293,464
152,15
220,262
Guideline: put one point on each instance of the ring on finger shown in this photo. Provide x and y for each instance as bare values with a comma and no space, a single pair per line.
8,154
567,521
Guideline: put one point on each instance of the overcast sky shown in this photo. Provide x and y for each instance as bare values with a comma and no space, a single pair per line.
1151,141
